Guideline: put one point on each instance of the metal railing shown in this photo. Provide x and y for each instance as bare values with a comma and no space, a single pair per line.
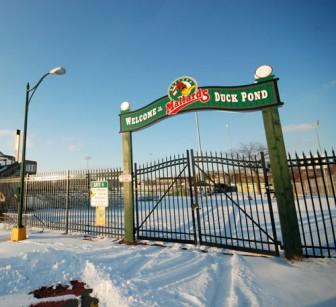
61,201
313,180
170,193
208,199
237,211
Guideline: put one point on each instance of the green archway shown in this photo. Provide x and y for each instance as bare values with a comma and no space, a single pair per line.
184,95
256,96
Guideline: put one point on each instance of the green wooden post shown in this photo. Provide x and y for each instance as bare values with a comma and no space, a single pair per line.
128,186
282,183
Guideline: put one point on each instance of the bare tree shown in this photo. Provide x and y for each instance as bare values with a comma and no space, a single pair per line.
251,149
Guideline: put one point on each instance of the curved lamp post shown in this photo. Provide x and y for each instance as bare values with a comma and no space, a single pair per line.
19,232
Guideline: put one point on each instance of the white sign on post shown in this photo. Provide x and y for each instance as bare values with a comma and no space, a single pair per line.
124,178
99,194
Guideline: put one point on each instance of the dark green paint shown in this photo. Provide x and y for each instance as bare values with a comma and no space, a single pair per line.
99,184
128,187
276,146
23,159
157,110
282,184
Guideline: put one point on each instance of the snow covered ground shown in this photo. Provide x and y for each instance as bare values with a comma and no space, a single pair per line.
177,275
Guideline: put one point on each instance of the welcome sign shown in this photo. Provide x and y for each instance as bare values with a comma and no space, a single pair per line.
184,96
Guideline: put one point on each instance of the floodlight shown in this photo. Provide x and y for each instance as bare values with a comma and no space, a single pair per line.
263,71
125,106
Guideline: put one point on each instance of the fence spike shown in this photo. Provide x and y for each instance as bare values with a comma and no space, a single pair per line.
325,153
296,155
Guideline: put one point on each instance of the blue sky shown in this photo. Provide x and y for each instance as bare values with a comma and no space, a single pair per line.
132,50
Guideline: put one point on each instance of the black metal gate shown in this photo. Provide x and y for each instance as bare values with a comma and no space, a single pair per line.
211,200
163,198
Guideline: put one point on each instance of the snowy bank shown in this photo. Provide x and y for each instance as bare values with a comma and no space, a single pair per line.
141,275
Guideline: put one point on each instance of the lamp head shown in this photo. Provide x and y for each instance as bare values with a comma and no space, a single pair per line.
57,71
125,106
263,71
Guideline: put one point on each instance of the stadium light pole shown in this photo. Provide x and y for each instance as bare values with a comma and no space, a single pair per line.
317,126
87,158
227,126
19,232
198,135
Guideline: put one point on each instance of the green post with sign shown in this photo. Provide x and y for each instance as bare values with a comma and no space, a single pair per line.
128,184
282,184
185,96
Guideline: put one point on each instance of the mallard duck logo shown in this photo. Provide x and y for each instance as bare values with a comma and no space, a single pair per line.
184,92
183,86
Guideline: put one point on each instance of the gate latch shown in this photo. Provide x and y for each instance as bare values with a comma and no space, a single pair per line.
195,206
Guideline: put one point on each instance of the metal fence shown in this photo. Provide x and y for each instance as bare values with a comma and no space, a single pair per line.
235,202
209,199
61,201
163,199
313,180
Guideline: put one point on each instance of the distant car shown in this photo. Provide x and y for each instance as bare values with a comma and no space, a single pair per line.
223,188
148,198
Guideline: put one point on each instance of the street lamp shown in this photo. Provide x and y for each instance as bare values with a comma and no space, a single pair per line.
19,232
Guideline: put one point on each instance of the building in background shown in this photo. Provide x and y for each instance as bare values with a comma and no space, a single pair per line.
10,167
